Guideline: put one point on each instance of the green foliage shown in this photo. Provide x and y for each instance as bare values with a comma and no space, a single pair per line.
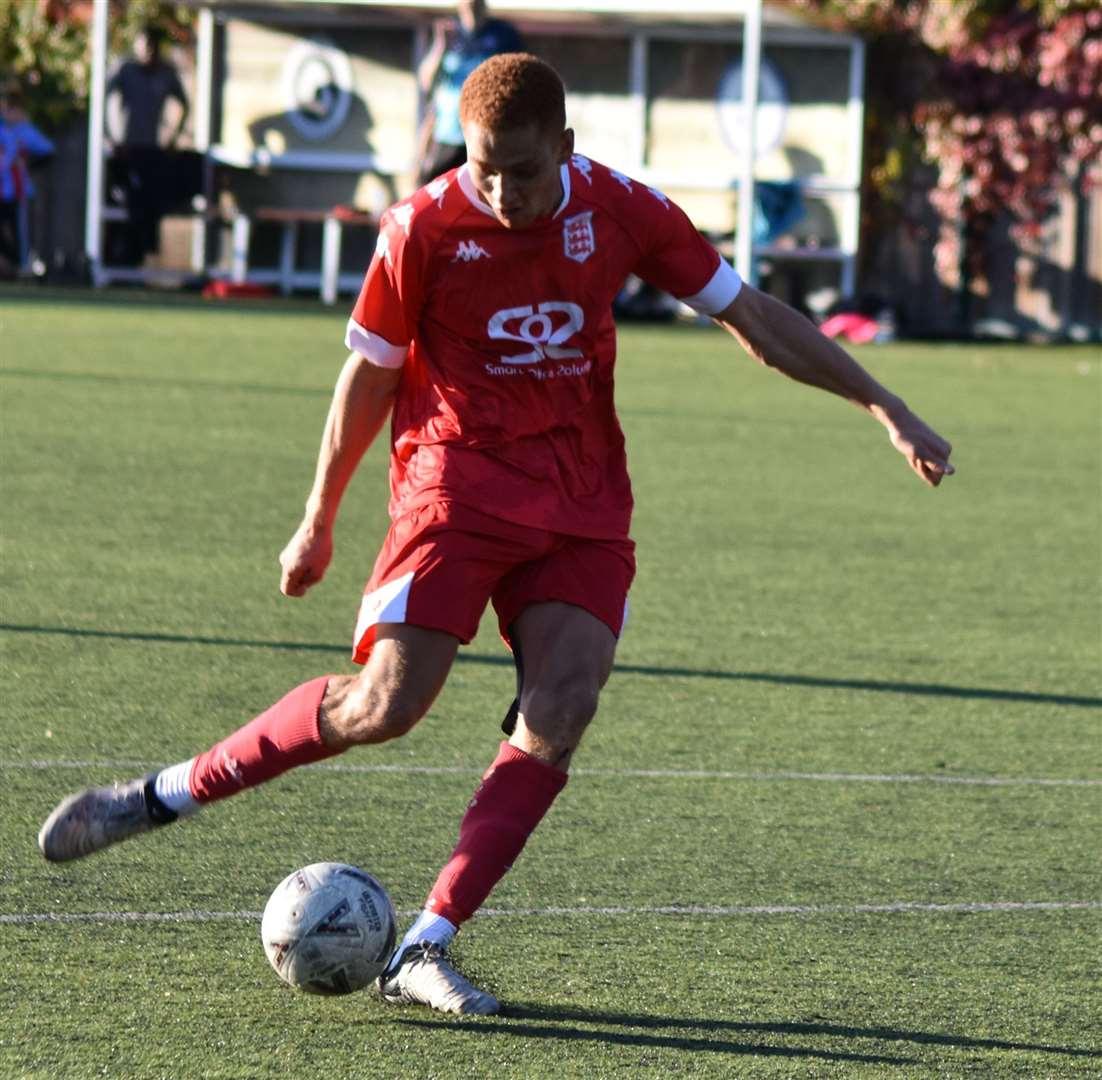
1006,107
127,20
48,57
45,47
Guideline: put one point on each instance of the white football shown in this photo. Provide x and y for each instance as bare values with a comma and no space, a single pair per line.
328,928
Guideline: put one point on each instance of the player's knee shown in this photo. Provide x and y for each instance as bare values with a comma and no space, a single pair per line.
560,714
367,716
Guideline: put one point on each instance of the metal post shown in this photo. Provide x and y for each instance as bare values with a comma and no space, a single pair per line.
93,211
330,259
751,73
638,91
850,235
239,260
204,93
851,214
287,250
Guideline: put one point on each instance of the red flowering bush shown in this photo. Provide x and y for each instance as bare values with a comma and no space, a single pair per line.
1008,108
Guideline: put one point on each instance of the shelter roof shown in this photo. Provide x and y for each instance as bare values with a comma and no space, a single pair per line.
588,13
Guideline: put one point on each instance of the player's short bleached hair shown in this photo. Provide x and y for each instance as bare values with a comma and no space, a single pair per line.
513,90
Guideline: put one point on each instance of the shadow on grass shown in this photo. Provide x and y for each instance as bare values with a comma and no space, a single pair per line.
546,1022
701,1043
220,386
777,678
175,381
524,1011
125,298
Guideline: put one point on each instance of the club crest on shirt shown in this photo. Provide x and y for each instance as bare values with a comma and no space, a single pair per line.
578,241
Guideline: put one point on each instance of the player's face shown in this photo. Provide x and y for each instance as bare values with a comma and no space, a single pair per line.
517,171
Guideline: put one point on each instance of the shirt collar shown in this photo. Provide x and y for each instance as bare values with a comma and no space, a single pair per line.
466,185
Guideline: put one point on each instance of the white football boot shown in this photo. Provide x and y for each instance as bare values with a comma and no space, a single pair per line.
422,975
94,818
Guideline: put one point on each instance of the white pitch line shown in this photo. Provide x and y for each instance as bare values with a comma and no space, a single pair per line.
645,774
806,909
128,917
849,778
705,910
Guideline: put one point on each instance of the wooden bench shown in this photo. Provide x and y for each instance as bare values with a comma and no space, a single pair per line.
333,223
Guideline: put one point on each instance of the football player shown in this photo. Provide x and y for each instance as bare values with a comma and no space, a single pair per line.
484,332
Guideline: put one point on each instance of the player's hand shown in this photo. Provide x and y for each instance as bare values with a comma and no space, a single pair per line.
926,451
305,559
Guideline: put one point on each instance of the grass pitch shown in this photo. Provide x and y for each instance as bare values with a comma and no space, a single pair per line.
839,813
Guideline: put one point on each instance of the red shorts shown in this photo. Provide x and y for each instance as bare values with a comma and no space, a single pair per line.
440,564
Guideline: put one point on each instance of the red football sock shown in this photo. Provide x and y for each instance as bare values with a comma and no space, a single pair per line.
277,740
515,793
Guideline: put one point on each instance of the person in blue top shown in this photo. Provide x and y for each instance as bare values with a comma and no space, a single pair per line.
458,47
21,143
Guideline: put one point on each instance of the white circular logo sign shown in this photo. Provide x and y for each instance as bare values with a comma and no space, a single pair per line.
317,87
772,112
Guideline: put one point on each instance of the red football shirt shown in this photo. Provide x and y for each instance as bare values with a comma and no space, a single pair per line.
507,343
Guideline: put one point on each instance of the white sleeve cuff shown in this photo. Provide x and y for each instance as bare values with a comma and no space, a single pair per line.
376,349
718,293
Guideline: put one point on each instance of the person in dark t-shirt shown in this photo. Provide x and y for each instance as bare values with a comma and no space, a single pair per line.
141,165
144,85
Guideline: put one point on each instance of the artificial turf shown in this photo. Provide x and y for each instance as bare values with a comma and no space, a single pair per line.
866,709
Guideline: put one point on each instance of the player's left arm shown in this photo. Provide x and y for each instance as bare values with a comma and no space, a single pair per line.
781,338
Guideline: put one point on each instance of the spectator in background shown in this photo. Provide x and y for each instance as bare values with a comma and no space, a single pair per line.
458,47
141,166
21,143
144,85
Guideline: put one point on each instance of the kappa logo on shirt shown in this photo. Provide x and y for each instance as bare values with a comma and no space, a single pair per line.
437,189
402,215
621,179
469,250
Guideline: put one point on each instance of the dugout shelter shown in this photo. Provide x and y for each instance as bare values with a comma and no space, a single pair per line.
307,114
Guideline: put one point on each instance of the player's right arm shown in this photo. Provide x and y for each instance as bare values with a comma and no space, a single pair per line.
361,403
378,335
